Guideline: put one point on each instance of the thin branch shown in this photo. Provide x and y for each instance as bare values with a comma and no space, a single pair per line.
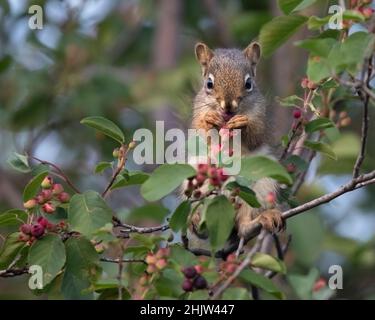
120,166
59,171
122,261
365,121
9,273
129,228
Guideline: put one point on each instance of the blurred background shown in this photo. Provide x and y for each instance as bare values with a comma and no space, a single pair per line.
133,62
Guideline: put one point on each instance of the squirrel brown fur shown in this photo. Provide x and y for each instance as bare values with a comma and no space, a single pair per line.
229,92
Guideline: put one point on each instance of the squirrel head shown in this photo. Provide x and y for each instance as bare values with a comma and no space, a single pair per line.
228,74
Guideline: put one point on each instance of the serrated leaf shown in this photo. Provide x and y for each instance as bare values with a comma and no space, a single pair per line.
279,30
131,179
48,253
261,282
105,126
257,167
19,163
101,166
245,194
321,147
179,218
12,217
218,215
164,180
265,261
10,249
88,212
318,69
33,186
318,124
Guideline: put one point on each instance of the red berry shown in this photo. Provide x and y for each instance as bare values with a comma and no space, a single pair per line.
311,85
161,264
271,197
46,194
200,179
304,83
202,168
162,253
187,285
43,221
319,284
37,230
63,197
151,259
198,268
297,113
223,177
367,12
215,182
230,268
231,257
40,199
57,188
151,268
48,207
200,282
25,228
189,272
30,204
47,183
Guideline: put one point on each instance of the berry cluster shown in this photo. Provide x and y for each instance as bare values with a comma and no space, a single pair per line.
193,278
206,172
230,264
157,261
29,232
51,195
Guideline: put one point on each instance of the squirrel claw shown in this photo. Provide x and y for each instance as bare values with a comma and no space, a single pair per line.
238,121
213,118
272,221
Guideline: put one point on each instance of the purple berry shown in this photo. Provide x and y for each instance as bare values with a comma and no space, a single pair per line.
187,285
189,272
200,283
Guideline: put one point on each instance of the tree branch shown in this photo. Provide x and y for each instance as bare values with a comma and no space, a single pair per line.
59,171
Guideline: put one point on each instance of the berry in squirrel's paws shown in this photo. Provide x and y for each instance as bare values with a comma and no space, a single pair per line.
227,116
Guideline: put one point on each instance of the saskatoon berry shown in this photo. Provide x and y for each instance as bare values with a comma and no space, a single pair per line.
187,285
57,188
25,228
37,230
47,183
63,197
200,283
189,272
30,204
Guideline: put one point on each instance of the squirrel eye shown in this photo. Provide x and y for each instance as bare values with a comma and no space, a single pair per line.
248,83
210,82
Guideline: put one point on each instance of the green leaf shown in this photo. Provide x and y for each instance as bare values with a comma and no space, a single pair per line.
33,186
88,212
318,124
131,179
319,47
257,167
318,69
321,147
181,256
19,163
10,249
179,218
279,30
164,180
265,261
303,285
101,166
289,6
261,282
48,253
105,126
291,101
346,56
218,216
245,194
152,211
236,294
81,268
354,15
12,217
169,283
315,23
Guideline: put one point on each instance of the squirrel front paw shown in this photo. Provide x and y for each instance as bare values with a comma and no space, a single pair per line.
238,121
213,119
271,220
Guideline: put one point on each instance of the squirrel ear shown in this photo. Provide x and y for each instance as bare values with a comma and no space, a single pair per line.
204,55
252,53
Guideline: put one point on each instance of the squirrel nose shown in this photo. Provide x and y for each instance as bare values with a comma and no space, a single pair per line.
229,105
